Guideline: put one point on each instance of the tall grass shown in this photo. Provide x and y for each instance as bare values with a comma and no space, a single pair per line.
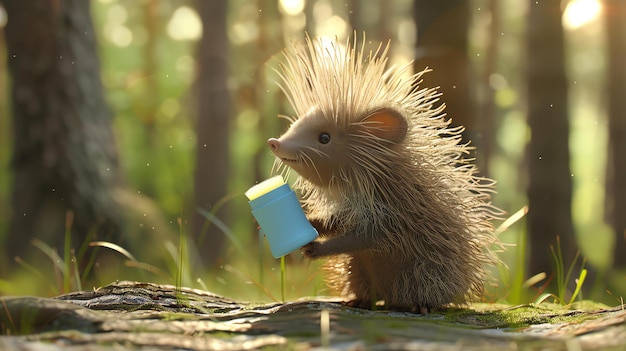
181,257
249,266
512,280
563,278
519,290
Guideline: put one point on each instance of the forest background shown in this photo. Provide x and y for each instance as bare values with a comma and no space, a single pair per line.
129,131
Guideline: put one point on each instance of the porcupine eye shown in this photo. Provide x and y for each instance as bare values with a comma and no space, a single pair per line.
324,138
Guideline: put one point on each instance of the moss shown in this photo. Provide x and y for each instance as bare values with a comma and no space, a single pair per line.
520,316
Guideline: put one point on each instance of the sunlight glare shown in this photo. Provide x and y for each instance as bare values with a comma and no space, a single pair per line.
120,35
169,108
292,7
334,26
407,32
185,24
117,14
578,13
115,29
330,44
185,67
3,17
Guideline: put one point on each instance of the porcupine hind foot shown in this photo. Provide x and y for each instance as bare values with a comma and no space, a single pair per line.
413,309
357,303
365,304
368,305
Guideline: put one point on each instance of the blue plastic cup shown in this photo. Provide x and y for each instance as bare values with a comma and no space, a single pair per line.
280,215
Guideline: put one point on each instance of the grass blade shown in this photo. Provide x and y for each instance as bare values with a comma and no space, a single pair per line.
262,288
114,247
282,278
51,253
521,213
579,285
67,259
224,228
543,297
79,285
37,273
571,268
146,267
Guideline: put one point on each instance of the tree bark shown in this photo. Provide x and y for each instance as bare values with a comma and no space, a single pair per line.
550,185
64,154
442,45
616,171
213,112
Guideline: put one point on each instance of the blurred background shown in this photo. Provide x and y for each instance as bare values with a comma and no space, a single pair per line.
129,131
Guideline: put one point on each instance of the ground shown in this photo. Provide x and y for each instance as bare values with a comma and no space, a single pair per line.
132,315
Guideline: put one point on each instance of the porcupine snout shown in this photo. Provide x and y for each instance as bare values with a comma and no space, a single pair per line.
274,144
283,149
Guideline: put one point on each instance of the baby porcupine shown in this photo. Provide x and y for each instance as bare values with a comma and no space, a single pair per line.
401,214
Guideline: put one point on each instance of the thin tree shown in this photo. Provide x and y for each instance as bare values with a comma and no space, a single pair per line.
550,184
442,45
212,128
354,15
270,28
488,108
64,157
616,171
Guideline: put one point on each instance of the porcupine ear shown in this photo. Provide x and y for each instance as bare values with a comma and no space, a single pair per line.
386,124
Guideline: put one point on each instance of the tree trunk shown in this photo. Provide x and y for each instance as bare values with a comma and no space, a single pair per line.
616,170
64,154
488,107
442,44
550,185
354,15
213,111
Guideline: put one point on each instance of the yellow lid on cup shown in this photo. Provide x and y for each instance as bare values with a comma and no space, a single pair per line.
264,187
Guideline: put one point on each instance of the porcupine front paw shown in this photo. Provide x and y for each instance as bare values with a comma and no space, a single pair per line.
311,250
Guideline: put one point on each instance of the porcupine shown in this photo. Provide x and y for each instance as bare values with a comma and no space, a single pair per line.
401,213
